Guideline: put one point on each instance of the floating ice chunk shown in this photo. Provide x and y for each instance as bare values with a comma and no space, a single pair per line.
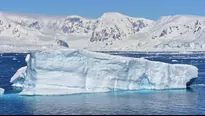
14,59
174,60
1,91
79,71
198,85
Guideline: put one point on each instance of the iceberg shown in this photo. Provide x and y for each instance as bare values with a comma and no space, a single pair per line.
1,91
70,71
18,78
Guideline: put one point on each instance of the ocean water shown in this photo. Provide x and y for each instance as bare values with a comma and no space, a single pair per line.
181,101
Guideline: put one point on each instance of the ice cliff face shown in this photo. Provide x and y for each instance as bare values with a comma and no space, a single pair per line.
79,71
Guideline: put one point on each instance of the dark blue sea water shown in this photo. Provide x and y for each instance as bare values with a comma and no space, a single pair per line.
123,102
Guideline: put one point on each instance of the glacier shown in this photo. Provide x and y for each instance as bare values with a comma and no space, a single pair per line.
70,71
1,91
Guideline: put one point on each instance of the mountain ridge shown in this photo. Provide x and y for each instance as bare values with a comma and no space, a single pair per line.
111,31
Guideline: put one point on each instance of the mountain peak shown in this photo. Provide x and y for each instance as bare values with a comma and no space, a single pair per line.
111,14
109,31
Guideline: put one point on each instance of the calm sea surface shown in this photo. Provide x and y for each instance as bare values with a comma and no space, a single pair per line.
180,101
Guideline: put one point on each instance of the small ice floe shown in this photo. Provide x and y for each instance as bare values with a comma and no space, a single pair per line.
14,58
174,60
198,85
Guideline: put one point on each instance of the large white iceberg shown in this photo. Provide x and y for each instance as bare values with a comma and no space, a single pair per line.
80,71
1,91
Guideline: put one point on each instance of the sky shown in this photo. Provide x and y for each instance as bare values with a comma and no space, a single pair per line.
151,9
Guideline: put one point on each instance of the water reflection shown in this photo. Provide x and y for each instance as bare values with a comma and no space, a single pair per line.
133,102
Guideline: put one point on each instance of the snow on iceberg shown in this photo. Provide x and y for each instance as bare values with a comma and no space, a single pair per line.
79,71
1,91
27,57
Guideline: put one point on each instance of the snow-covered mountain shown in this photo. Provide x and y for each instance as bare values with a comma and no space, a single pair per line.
179,32
112,31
